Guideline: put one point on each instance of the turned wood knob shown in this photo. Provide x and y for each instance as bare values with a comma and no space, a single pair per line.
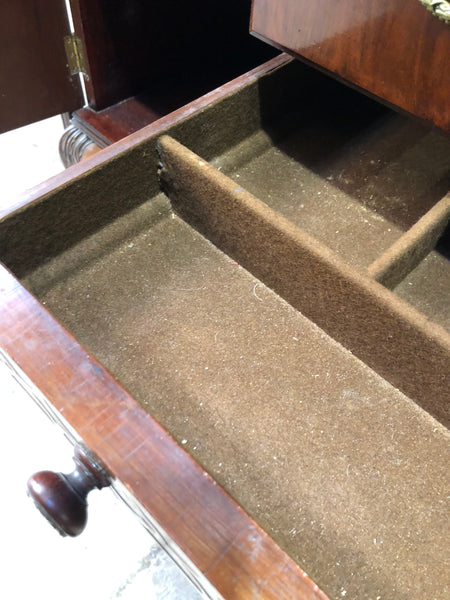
62,498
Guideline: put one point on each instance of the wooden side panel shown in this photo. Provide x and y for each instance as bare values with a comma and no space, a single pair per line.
393,49
35,81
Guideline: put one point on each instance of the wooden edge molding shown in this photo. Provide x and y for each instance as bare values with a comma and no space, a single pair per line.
235,555
382,330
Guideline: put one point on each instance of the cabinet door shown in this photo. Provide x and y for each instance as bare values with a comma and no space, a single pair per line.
393,49
35,80
145,45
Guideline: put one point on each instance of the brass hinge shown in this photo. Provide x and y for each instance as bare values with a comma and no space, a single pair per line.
75,54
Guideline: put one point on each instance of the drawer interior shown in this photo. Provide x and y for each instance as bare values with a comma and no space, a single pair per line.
253,356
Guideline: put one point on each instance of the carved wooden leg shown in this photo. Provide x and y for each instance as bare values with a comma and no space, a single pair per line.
75,145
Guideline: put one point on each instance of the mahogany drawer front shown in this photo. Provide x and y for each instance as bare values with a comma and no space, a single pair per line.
393,49
309,392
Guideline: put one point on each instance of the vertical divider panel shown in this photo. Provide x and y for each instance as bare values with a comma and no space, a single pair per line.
385,332
412,247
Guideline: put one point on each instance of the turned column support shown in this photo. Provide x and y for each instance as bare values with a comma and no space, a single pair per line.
75,145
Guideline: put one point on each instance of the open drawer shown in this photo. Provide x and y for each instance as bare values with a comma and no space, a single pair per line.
279,308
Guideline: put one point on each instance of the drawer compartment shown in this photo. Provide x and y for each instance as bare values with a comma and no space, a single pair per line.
239,310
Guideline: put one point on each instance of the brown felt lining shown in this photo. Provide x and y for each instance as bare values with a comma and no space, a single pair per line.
387,334
352,143
344,471
341,469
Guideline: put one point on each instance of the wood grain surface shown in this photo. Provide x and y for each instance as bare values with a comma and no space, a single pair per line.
393,49
35,81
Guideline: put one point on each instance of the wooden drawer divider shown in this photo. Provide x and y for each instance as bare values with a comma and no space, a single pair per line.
384,331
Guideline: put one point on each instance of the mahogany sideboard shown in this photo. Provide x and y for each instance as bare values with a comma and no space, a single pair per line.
394,50
139,61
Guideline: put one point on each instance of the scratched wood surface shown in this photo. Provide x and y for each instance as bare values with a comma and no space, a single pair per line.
393,49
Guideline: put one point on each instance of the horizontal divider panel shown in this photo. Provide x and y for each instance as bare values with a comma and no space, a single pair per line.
382,330
412,247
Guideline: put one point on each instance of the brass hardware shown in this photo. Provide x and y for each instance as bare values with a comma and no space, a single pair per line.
439,8
75,54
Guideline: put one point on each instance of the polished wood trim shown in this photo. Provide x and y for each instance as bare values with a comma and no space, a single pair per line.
235,555
392,49
108,126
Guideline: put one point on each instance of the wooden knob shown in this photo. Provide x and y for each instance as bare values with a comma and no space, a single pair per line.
62,498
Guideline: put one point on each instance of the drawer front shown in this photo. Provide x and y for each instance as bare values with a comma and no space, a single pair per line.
394,49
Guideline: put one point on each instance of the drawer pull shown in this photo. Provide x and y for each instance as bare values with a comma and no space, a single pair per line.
62,498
